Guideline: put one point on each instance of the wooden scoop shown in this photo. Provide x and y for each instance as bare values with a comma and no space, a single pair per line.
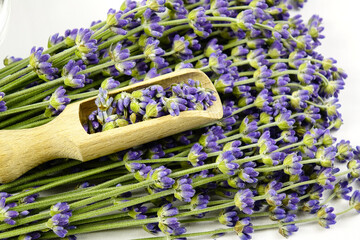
65,137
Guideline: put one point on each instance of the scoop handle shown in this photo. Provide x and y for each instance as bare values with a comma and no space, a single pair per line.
22,150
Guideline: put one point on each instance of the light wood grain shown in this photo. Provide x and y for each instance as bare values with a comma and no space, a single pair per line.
65,137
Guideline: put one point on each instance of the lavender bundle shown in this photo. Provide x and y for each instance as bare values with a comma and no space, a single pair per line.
272,156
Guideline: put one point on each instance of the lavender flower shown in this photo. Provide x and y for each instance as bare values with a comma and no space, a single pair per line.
226,163
288,229
243,228
183,189
326,217
70,73
7,215
228,218
57,102
54,40
58,224
243,200
196,156
292,165
355,200
3,106
39,62
9,60
199,201
199,23
160,177
115,22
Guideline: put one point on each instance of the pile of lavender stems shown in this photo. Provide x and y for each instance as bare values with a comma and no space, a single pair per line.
272,156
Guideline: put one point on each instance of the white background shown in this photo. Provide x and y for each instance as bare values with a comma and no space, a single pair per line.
31,22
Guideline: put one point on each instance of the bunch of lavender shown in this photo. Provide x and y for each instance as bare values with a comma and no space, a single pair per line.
272,156
144,104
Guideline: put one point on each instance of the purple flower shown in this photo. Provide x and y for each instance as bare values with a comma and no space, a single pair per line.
243,228
9,60
354,167
344,151
290,201
326,177
119,56
277,213
3,106
62,208
311,206
70,36
57,102
199,23
177,9
306,73
58,224
138,212
150,21
298,98
156,5
218,62
326,217
7,215
355,200
292,165
248,175
245,19
70,73
180,47
342,189
199,201
228,218
115,22
287,230
257,58
263,100
196,156
39,62
152,51
284,120
183,189
273,198
262,77
54,40
160,177
86,47
226,163
109,83
244,201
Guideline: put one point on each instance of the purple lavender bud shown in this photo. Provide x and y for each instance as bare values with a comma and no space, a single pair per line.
199,23
58,223
284,120
176,9
57,101
220,8
311,206
273,198
9,60
326,177
70,36
290,201
354,167
228,218
355,200
196,156
344,151
3,106
212,47
115,22
277,213
150,21
287,230
224,84
40,65
160,177
193,41
245,19
306,73
257,58
180,48
199,201
54,40
7,215
326,217
292,165
226,163
243,228
152,49
183,189
244,201
110,83
138,212
70,73
218,62
342,189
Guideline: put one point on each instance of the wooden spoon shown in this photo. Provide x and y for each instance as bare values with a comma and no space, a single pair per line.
65,137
